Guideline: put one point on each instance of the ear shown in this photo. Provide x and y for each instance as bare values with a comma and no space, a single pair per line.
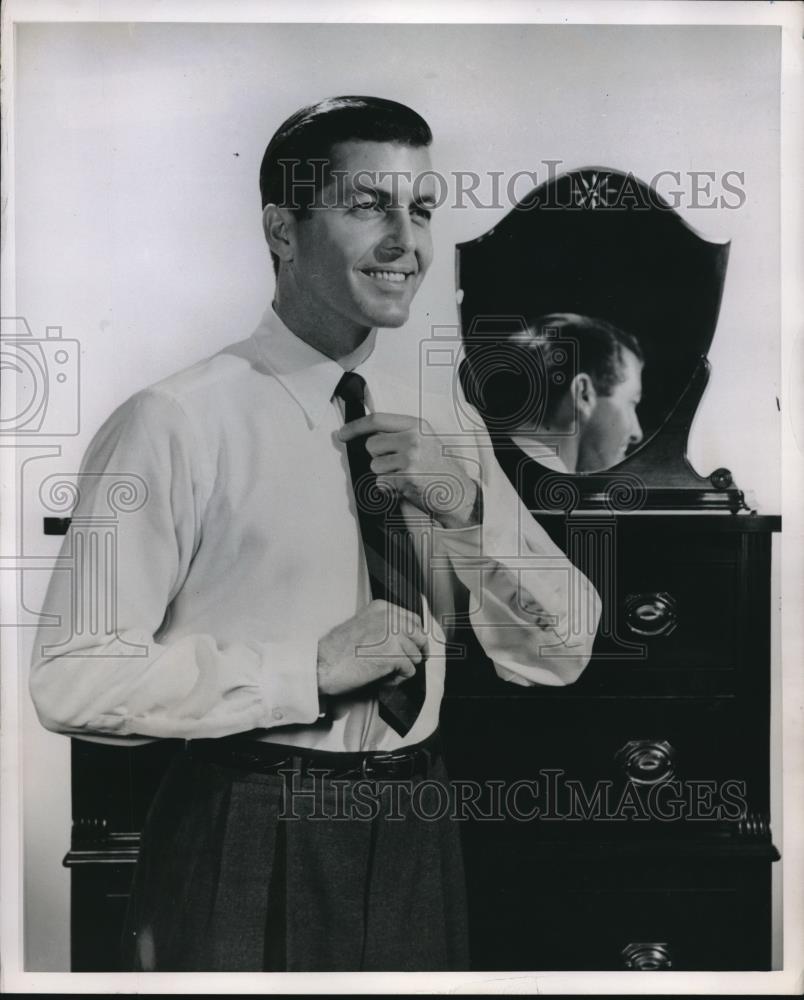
279,226
584,396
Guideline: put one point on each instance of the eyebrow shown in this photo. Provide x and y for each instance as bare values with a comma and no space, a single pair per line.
385,197
370,189
426,201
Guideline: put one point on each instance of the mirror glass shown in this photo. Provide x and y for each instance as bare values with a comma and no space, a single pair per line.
584,314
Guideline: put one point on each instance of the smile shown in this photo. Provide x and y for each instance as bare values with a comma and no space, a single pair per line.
394,277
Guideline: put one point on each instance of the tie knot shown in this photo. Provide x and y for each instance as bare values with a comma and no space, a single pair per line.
351,388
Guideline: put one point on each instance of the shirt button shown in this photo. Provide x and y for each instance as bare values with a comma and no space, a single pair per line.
278,713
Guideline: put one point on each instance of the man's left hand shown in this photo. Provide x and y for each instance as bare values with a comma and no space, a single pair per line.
408,457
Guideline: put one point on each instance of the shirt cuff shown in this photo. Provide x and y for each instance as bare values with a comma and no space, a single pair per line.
490,541
477,518
289,683
466,541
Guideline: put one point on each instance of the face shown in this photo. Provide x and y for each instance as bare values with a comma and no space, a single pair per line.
358,261
613,425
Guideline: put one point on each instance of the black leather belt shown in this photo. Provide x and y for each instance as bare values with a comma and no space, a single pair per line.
271,758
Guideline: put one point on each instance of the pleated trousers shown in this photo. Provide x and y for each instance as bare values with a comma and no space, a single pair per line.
242,871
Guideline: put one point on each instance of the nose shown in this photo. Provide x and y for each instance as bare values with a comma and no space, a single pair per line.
636,432
401,237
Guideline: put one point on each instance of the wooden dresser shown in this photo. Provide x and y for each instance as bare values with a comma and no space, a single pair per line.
639,834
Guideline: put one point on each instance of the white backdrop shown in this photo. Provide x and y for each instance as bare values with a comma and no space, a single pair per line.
138,221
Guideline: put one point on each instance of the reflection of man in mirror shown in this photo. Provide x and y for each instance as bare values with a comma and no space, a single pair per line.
570,386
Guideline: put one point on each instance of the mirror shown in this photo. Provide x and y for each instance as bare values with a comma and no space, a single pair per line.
566,389
589,264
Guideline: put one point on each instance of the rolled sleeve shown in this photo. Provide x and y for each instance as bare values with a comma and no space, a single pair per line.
534,613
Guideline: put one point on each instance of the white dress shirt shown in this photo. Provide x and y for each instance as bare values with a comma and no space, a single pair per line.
545,454
214,591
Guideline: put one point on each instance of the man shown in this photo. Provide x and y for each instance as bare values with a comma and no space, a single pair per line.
286,590
566,391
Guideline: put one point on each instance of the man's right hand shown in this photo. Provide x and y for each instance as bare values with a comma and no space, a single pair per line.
365,648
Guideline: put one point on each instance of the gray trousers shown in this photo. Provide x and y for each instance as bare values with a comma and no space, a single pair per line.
242,871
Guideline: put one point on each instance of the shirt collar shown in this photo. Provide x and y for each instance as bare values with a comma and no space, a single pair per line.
309,376
544,454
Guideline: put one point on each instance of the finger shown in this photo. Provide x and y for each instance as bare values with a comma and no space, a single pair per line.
394,680
401,621
411,627
384,465
373,423
384,442
403,671
411,650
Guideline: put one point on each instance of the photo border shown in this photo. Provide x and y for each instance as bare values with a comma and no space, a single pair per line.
790,18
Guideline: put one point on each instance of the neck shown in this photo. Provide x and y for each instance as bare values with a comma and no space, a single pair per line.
333,336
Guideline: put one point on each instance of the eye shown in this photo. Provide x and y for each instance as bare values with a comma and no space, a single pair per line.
366,204
421,213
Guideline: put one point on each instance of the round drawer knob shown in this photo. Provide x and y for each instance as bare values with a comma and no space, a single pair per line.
651,614
721,479
647,762
646,956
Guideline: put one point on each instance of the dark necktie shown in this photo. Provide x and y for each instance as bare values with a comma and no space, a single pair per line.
393,568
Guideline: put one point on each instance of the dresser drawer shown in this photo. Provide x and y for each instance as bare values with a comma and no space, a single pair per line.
674,629
632,912
617,766
685,612
99,897
672,608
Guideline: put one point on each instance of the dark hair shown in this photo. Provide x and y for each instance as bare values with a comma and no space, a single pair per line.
523,377
295,165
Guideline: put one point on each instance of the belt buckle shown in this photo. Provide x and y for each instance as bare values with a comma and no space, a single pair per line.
260,765
278,766
396,765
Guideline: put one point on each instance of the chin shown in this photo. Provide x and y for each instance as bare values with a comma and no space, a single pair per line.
594,463
390,319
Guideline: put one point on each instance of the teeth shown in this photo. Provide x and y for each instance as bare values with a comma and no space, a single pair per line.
394,276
